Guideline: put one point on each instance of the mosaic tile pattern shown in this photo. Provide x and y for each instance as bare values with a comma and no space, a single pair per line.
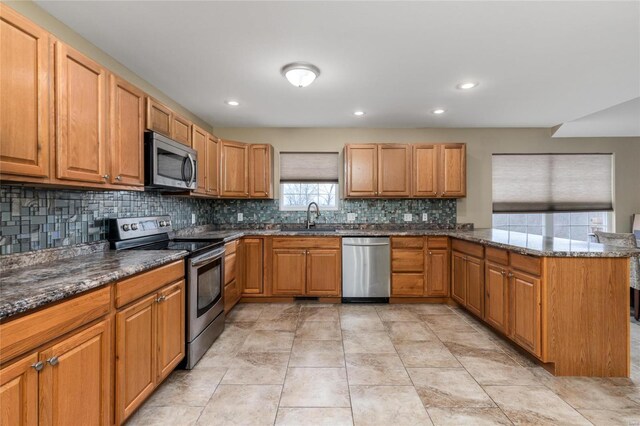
34,219
441,212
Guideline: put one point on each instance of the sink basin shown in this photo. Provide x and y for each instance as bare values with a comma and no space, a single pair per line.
305,230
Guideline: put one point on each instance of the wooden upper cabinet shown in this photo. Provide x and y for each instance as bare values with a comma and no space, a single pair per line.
394,170
199,144
170,328
425,170
235,169
524,311
260,171
453,171
496,292
81,107
24,104
289,271
437,283
19,392
78,369
324,272
126,135
361,174
181,129
213,166
159,117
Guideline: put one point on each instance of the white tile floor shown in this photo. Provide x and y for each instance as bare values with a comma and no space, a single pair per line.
309,364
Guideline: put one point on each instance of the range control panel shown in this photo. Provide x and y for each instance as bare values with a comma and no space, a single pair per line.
134,227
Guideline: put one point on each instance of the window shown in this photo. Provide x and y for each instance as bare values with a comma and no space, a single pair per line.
307,177
570,225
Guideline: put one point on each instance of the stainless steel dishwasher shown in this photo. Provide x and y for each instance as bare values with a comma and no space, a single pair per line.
366,272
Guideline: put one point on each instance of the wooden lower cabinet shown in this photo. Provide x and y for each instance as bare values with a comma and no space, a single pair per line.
289,271
524,311
496,296
149,344
324,272
458,278
19,392
475,285
252,266
437,283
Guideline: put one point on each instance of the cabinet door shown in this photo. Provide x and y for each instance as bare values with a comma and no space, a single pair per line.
496,286
458,278
453,170
81,108
524,311
475,285
199,140
19,392
213,166
260,182
170,328
289,271
159,117
407,260
362,170
252,253
75,384
437,273
425,171
394,170
407,284
135,356
126,135
181,129
24,104
235,168
324,273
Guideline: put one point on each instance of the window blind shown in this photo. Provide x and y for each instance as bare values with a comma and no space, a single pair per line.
527,183
308,167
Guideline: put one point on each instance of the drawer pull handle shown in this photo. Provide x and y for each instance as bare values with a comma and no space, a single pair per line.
161,299
38,365
53,360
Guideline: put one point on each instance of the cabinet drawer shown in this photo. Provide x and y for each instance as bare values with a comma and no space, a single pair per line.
407,284
530,264
140,285
231,247
407,260
466,247
297,242
497,255
30,331
230,267
438,242
407,242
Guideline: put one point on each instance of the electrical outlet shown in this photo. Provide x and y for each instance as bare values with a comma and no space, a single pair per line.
425,217
193,218
351,217
240,217
408,217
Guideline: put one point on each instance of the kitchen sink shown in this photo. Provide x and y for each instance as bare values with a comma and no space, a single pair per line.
310,231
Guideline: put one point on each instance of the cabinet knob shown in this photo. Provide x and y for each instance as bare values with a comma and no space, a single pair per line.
38,365
510,275
430,253
161,299
118,177
501,272
105,177
53,360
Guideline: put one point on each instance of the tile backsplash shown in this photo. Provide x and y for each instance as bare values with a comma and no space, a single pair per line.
34,219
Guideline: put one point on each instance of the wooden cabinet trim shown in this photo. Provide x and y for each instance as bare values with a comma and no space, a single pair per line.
306,242
469,248
525,263
407,242
497,255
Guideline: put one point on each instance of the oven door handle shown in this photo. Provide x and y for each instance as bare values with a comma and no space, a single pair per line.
207,258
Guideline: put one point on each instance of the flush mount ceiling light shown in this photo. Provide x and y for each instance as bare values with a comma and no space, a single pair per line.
359,113
438,111
467,85
232,103
300,74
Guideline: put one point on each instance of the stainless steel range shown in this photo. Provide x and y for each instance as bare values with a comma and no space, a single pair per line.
204,275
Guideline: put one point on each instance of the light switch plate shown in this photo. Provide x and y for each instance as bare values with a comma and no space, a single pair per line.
193,218
425,217
240,217
351,217
408,217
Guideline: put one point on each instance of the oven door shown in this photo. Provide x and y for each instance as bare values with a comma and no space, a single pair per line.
170,165
205,286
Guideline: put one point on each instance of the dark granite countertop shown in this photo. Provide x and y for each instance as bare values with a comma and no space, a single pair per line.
30,287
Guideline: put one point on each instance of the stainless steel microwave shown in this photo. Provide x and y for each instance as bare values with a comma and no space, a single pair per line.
168,165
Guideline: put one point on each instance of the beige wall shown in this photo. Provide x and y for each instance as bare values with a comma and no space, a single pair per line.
65,34
481,143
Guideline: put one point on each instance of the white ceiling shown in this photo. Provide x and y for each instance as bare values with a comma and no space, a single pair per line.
539,64
620,121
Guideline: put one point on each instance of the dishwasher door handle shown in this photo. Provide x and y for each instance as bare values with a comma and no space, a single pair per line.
365,245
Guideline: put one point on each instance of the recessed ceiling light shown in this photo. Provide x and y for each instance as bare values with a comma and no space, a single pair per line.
438,111
232,103
300,74
359,113
467,85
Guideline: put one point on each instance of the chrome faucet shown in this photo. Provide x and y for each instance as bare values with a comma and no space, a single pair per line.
309,223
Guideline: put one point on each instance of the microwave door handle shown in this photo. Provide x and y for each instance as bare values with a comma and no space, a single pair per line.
193,170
